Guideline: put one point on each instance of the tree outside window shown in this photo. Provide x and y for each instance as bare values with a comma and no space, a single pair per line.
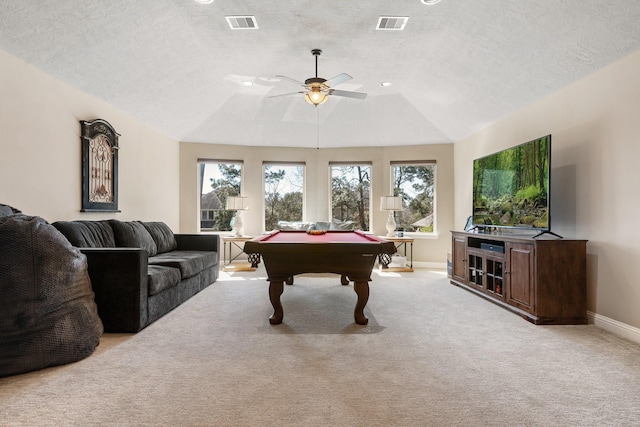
351,194
283,193
415,183
219,180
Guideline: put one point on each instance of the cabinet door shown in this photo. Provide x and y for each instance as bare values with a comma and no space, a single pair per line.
475,269
520,277
494,276
459,259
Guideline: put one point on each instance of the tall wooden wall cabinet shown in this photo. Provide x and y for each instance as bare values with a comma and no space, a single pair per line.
542,280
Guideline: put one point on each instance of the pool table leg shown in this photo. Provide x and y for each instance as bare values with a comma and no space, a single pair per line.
362,290
276,288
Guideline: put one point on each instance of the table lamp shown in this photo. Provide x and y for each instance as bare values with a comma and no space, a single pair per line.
238,204
391,204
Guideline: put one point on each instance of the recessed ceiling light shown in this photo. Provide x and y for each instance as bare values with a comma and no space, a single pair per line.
430,2
247,83
385,84
204,1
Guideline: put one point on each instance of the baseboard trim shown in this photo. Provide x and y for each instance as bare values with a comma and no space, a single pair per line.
626,331
433,265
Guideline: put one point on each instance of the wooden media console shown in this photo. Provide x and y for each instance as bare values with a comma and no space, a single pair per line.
543,280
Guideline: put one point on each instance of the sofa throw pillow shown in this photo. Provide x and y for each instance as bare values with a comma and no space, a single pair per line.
132,234
162,236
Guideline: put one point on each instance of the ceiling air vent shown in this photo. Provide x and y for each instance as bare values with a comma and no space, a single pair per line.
242,22
392,23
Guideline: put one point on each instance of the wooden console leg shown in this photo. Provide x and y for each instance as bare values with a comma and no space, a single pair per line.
275,290
362,290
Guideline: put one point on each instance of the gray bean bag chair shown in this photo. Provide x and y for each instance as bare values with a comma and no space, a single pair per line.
48,316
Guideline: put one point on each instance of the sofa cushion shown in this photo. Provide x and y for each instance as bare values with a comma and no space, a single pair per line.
320,225
132,234
161,277
209,258
189,263
295,225
336,224
162,236
87,234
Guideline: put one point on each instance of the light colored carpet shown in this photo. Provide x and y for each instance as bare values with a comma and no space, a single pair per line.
432,355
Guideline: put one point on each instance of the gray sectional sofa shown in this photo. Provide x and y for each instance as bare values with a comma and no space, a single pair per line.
141,270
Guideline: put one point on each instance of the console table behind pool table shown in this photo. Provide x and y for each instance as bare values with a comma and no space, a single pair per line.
227,255
351,254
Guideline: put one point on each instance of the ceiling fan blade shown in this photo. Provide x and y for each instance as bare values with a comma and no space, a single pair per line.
340,78
285,94
348,94
292,80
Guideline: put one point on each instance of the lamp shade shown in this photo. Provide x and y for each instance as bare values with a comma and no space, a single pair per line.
390,203
237,203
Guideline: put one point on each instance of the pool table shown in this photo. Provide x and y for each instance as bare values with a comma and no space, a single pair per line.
351,254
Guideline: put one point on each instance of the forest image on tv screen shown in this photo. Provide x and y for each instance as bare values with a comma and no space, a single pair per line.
511,187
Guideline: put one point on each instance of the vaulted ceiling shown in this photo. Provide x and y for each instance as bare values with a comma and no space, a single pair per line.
456,67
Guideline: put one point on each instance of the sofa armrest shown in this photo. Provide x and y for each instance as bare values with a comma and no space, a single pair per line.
198,242
119,281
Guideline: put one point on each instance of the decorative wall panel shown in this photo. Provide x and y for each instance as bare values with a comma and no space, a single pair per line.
99,166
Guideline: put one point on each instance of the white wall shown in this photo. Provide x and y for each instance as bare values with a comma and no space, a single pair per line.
430,251
40,151
595,176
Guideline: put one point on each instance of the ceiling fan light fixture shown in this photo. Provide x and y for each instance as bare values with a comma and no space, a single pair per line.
430,2
315,97
318,89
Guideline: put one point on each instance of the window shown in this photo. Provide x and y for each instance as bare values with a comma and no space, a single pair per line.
415,183
351,193
283,193
218,180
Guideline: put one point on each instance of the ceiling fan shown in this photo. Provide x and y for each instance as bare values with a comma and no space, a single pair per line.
317,89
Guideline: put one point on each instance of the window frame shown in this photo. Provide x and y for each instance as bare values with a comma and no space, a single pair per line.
434,201
369,207
264,194
201,167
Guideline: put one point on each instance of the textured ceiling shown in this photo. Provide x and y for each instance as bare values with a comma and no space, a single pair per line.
458,66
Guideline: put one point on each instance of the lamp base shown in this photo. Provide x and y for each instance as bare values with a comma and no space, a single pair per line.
237,225
391,225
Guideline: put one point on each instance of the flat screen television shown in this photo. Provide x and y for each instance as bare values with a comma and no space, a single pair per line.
511,187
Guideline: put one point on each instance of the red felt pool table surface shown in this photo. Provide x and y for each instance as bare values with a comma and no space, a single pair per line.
351,254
